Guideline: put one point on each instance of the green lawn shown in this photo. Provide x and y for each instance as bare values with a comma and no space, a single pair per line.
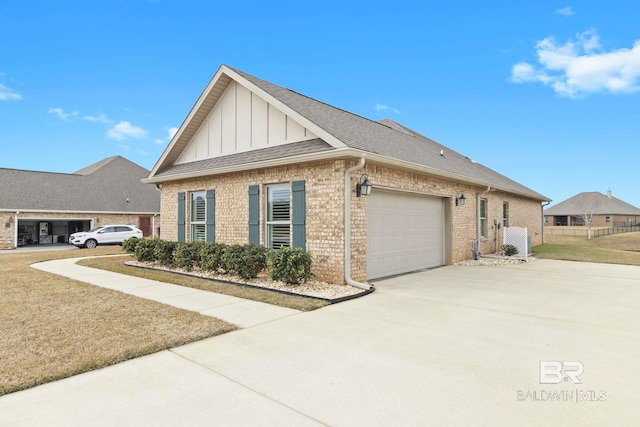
53,327
621,248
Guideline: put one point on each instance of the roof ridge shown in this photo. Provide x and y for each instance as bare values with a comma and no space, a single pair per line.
37,171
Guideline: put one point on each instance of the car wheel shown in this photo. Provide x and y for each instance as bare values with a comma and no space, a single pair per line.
91,243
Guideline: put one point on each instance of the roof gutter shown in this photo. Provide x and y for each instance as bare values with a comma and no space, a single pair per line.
347,227
332,154
80,212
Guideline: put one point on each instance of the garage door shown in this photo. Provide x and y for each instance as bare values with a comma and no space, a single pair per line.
405,232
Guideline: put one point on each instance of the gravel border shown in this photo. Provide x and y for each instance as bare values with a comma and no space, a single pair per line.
330,292
496,259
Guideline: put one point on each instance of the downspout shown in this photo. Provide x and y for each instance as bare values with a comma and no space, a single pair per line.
159,187
542,219
347,227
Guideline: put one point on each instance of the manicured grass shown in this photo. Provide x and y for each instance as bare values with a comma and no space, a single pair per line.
621,248
54,327
117,264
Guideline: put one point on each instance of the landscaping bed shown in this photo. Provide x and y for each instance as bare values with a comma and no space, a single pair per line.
329,292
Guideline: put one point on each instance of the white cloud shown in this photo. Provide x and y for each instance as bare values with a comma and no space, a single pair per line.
581,66
170,133
102,118
566,11
8,94
382,107
59,113
125,130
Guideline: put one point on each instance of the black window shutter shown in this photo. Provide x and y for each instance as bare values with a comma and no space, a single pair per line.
254,214
181,217
299,217
211,216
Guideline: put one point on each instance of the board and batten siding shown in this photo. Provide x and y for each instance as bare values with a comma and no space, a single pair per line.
242,121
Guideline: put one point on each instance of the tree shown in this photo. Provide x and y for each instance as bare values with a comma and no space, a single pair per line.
587,215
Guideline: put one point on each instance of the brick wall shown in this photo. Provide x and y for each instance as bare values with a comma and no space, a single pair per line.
324,215
463,228
325,210
7,228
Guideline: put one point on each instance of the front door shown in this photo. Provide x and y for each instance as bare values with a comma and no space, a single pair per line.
144,224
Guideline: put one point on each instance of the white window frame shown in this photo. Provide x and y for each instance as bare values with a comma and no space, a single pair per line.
505,214
607,219
197,227
271,224
482,220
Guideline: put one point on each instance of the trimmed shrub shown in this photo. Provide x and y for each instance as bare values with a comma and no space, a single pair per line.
164,252
509,250
289,265
144,250
245,261
211,256
188,254
129,245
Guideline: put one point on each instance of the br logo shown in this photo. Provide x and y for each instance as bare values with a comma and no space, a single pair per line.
556,371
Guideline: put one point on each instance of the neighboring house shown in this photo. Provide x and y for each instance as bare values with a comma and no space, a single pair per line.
45,207
255,162
604,211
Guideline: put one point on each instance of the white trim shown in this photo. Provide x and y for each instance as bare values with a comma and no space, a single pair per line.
404,190
15,230
303,158
192,222
335,154
315,129
267,223
179,141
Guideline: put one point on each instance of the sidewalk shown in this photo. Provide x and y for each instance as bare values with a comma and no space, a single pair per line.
239,311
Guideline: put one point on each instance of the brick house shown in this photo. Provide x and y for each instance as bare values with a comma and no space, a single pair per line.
45,207
604,211
255,162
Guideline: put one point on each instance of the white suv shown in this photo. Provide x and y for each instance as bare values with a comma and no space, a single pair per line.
109,234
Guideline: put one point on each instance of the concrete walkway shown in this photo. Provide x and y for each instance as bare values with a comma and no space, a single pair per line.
453,346
239,311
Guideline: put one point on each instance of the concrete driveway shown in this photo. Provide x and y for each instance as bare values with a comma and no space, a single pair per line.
458,345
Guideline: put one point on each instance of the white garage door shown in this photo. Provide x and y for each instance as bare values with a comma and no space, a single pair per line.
405,232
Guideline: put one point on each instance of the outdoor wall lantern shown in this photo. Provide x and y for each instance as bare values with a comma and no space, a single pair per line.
461,200
363,188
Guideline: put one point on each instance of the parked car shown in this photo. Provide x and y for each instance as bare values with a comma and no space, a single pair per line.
109,234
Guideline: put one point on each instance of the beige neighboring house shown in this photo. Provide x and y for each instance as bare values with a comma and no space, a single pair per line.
604,211
255,162
45,207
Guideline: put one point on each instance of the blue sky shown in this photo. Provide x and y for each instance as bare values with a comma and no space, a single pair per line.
545,92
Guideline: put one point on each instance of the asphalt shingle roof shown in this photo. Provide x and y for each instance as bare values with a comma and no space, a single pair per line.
594,203
104,186
385,138
270,153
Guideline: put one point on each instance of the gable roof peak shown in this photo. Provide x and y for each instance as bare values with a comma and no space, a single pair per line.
88,170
